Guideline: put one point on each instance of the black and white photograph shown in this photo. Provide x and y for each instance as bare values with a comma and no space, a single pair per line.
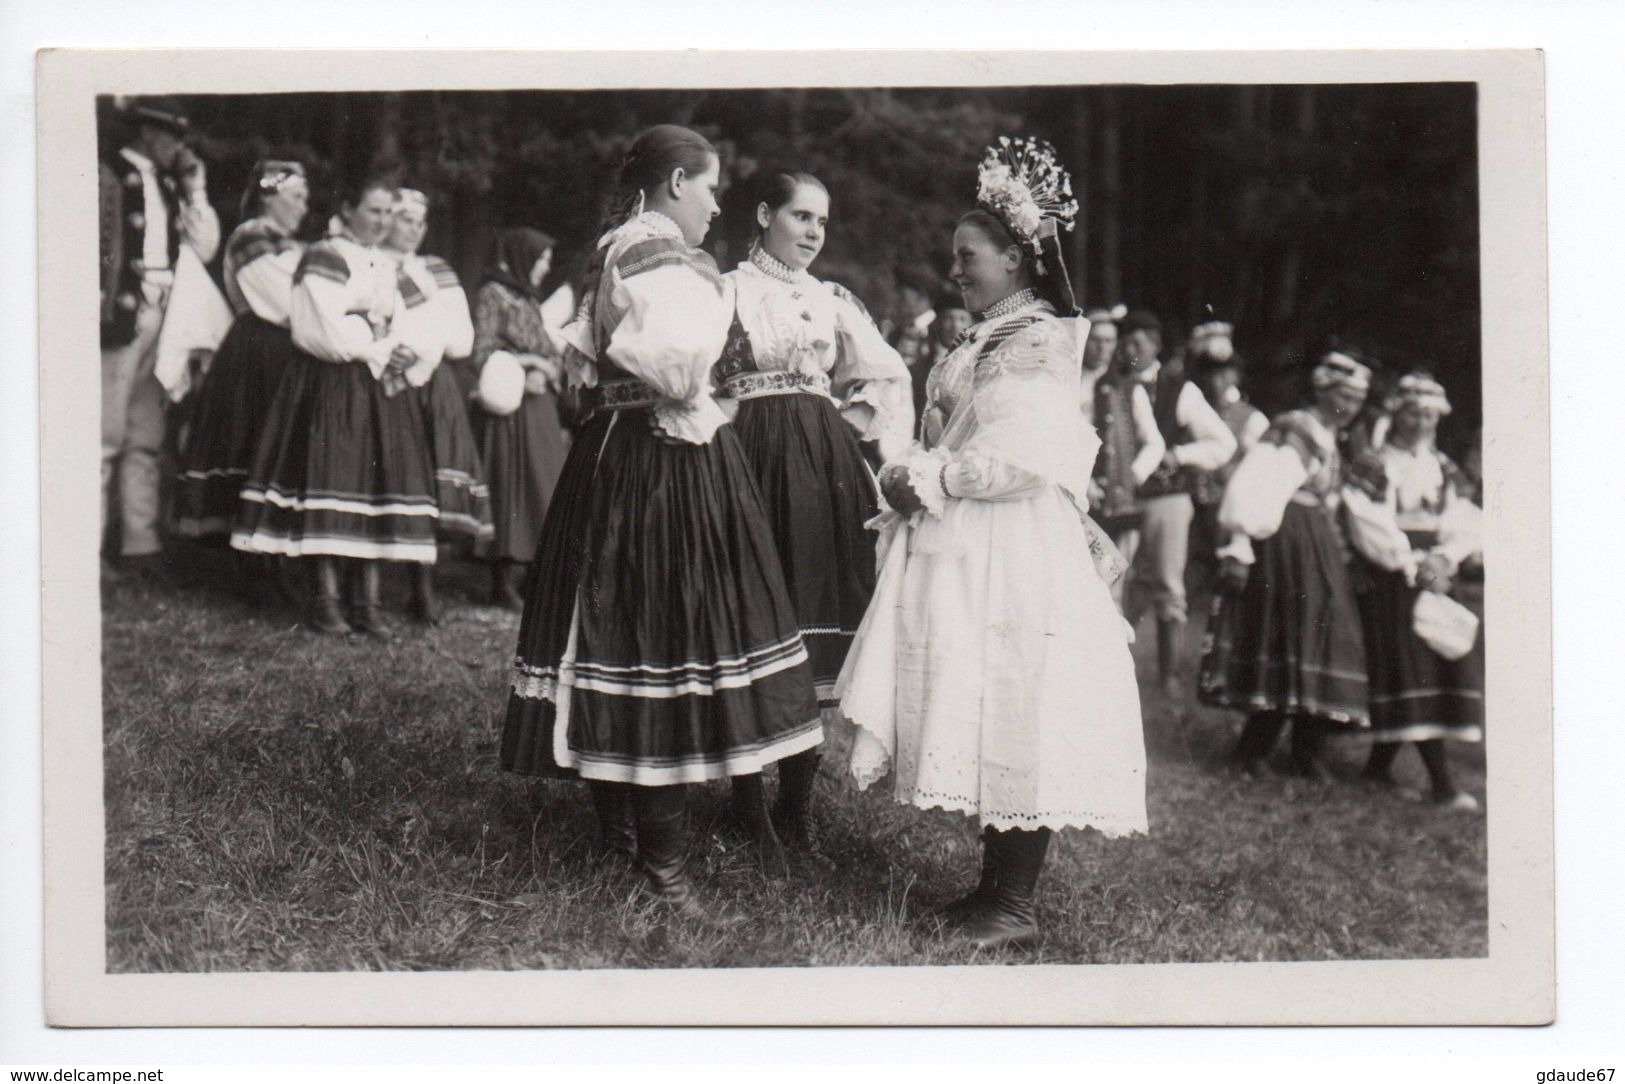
989,527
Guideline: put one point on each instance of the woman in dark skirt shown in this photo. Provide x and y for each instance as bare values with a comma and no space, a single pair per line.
261,257
522,452
812,377
343,468
434,323
1284,643
658,645
1413,528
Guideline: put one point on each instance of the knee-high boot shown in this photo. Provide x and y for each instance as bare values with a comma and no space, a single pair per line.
662,846
423,604
750,806
1011,918
367,613
617,818
325,615
972,903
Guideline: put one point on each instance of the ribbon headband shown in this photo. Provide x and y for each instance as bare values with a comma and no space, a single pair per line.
1421,391
405,196
273,175
1337,370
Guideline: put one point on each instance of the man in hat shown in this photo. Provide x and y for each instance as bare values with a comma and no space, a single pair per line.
1131,447
153,200
1196,439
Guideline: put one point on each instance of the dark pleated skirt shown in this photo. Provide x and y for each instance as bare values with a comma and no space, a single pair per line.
658,643
522,454
1416,695
817,492
460,488
226,425
342,470
1290,641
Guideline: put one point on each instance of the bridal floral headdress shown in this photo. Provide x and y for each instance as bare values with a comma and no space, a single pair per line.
1020,182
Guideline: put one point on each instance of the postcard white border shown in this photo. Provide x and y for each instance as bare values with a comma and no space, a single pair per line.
1515,984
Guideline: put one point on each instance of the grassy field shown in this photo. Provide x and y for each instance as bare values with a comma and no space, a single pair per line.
278,800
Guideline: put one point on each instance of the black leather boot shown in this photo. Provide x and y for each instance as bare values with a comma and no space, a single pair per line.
367,612
617,819
792,812
423,605
1010,918
325,615
972,904
750,806
1170,639
662,846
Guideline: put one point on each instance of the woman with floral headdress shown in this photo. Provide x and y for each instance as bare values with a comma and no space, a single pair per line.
261,258
812,377
1284,641
434,316
343,468
992,673
1413,528
522,451
658,645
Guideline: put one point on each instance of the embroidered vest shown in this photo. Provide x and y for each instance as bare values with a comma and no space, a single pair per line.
1114,466
123,241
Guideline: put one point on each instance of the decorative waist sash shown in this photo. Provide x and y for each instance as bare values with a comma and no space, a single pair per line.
627,394
754,385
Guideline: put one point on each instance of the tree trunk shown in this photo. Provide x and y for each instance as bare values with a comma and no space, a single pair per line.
1079,160
1111,187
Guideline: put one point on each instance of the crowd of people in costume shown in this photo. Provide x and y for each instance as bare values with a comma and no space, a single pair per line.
774,525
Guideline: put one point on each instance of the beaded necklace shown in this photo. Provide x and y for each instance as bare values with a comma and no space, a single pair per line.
775,268
1005,306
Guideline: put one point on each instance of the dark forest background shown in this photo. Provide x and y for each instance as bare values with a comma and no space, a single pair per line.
1296,212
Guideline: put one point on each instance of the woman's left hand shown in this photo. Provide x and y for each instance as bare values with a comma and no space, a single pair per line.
899,493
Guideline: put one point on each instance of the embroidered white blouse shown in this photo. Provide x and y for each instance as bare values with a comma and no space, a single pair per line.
263,283
664,319
1419,496
435,324
798,324
348,315
1270,475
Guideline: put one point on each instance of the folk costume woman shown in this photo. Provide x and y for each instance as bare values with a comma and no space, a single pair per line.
343,467
434,317
522,452
1413,528
1284,644
658,645
812,377
992,673
261,258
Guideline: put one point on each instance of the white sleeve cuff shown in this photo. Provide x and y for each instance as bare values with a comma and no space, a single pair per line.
925,477
693,421
1239,547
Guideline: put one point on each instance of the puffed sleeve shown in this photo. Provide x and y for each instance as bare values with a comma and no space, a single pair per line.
1460,529
450,303
1257,495
1028,434
1252,429
266,283
1150,447
319,320
199,224
870,379
1371,508
674,326
1214,444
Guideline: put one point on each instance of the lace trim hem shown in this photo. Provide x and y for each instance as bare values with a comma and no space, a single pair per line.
1114,825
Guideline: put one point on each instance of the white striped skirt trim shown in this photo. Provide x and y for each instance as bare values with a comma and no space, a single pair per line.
659,682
